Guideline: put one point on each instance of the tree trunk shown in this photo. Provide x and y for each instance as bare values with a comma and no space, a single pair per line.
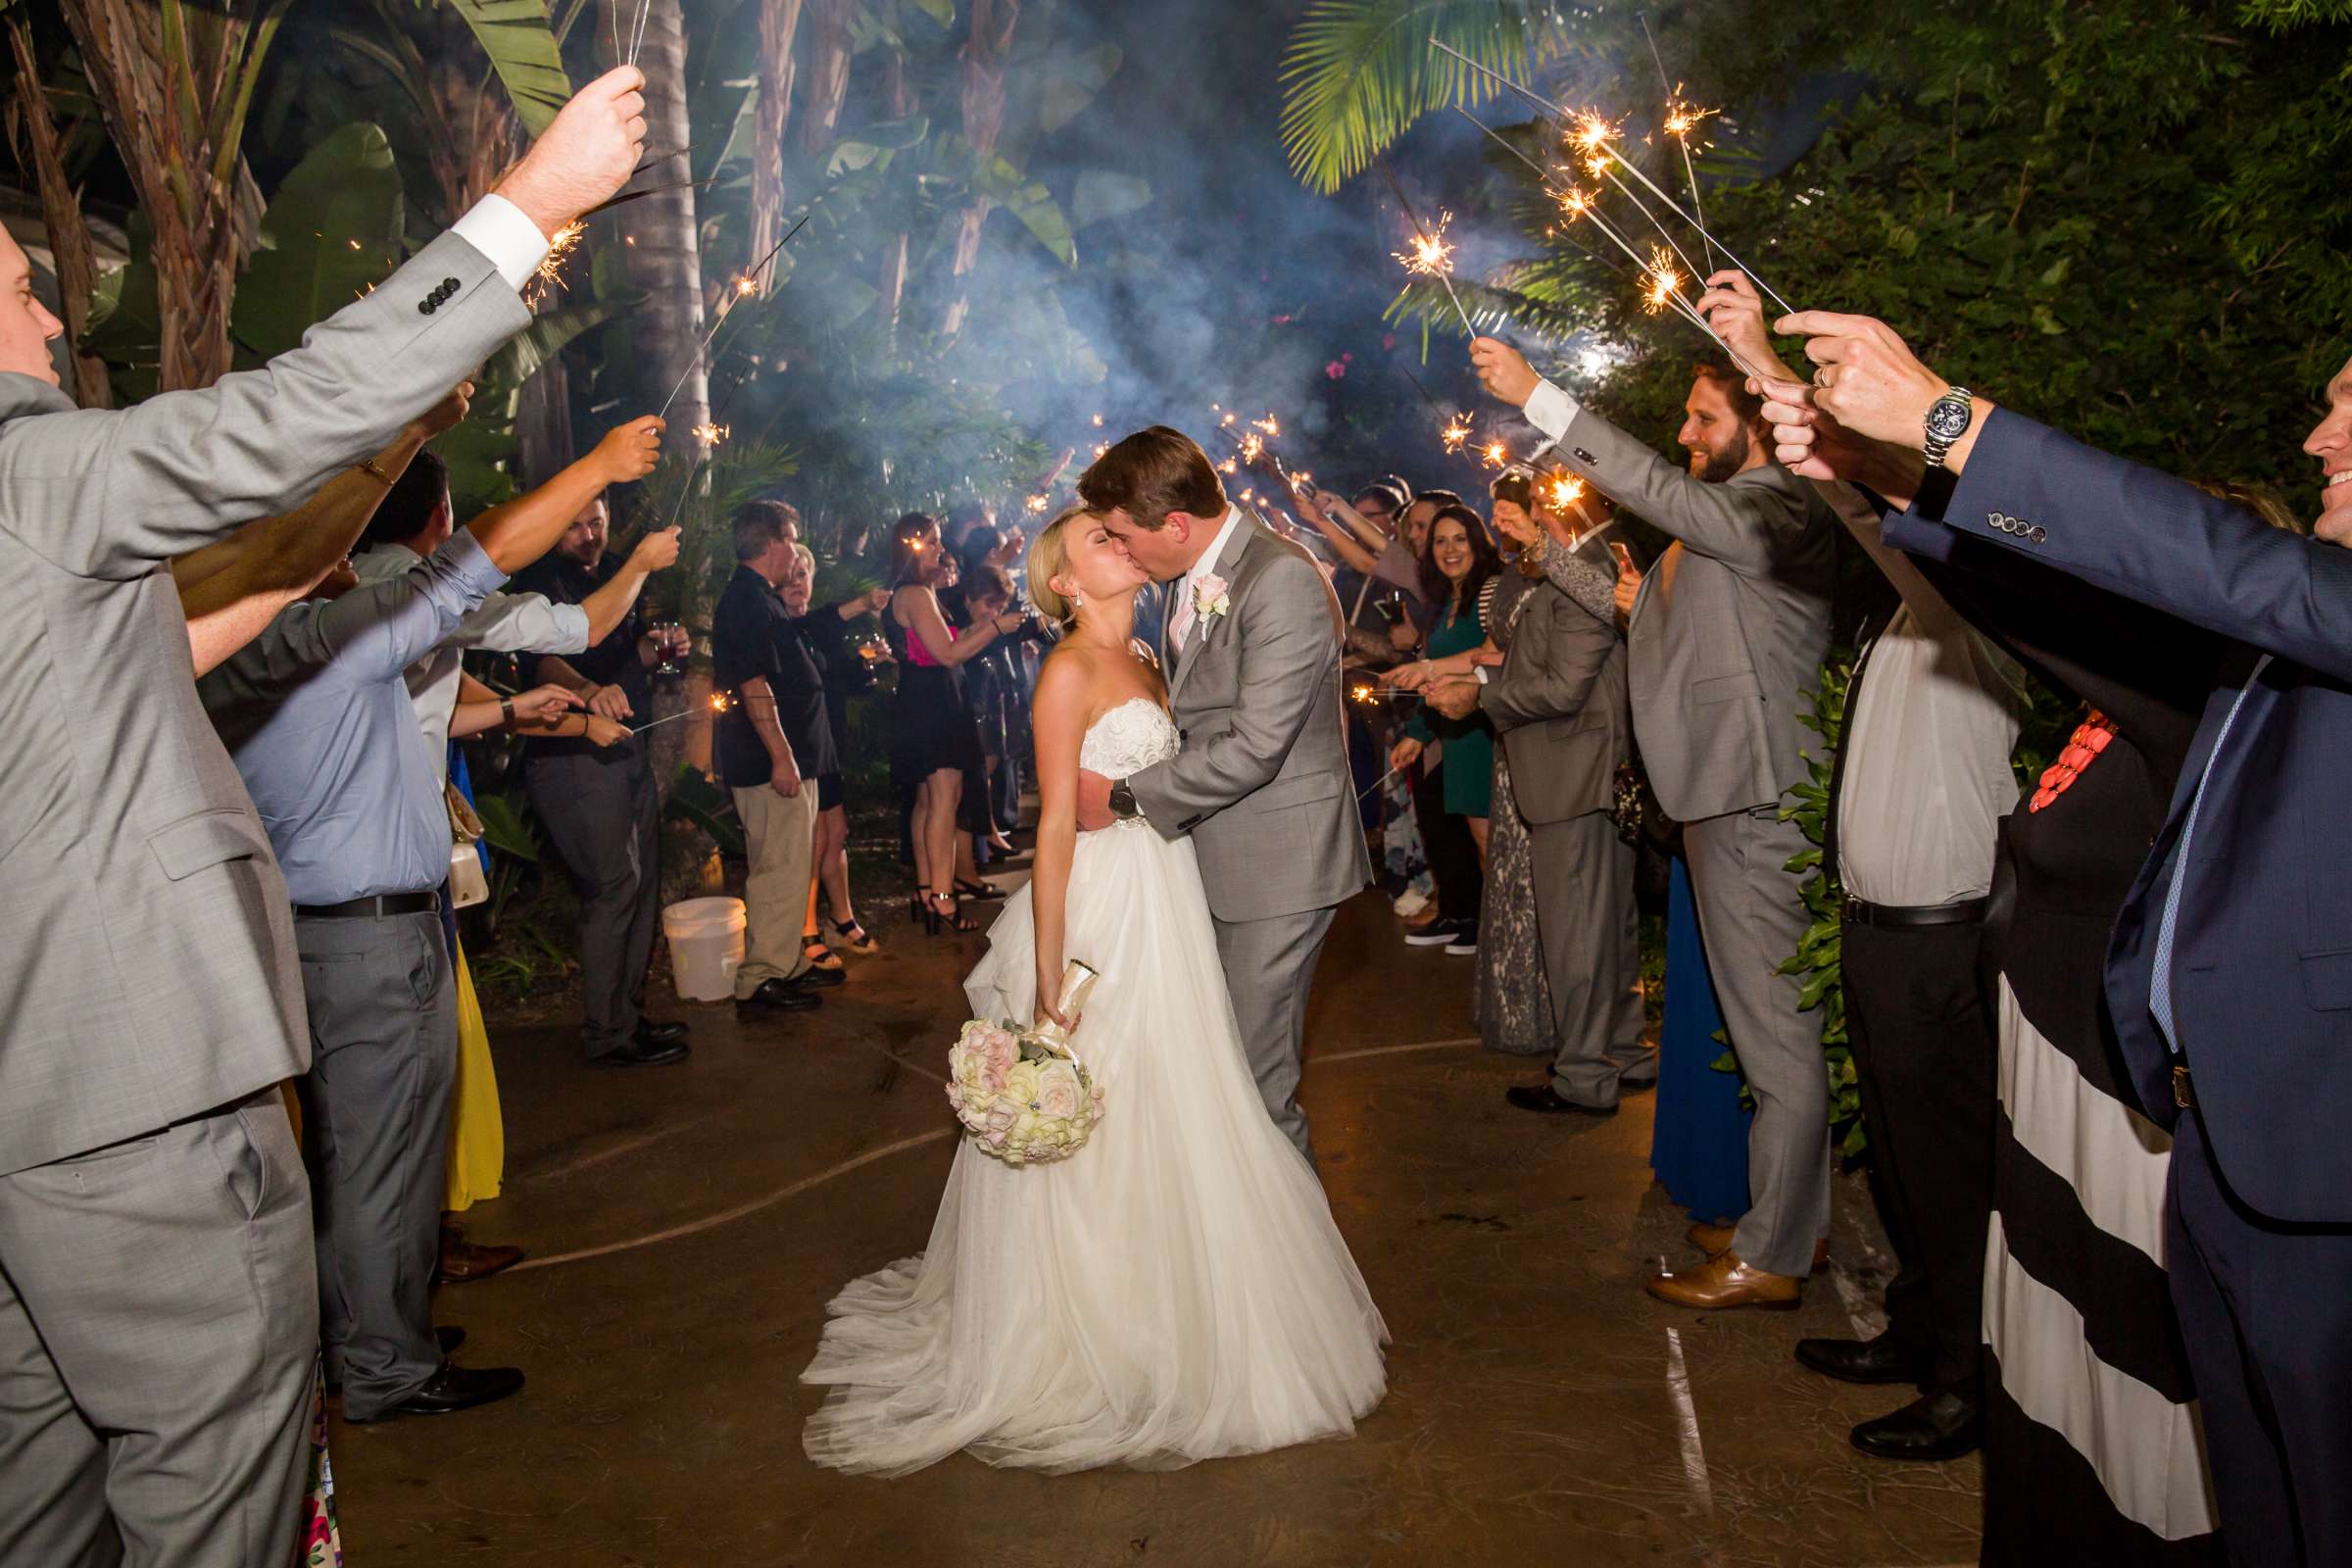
60,210
892,286
828,73
779,22
665,248
176,111
983,54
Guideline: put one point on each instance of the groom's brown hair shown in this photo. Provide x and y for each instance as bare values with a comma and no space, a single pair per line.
1152,473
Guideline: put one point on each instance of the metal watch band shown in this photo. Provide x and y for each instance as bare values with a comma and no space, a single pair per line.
1939,446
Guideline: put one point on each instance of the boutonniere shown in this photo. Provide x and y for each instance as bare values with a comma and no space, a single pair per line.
1209,595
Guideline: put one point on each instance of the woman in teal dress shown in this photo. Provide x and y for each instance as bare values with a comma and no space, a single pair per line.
1456,564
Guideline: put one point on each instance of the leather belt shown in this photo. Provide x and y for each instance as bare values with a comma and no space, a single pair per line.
384,904
1890,917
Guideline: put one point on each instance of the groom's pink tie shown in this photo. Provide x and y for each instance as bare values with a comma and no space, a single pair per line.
1180,620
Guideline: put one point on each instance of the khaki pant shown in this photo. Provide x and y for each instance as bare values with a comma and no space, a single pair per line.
781,837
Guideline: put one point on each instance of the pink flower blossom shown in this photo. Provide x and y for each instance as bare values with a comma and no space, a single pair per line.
1336,370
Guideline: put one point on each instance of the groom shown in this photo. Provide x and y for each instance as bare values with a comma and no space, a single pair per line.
1252,651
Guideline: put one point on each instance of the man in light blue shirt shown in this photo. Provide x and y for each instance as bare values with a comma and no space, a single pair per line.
317,714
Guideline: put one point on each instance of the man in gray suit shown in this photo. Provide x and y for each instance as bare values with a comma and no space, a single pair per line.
158,1308
1726,639
1252,646
1559,707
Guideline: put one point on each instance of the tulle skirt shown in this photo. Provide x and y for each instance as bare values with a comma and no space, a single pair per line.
1174,1292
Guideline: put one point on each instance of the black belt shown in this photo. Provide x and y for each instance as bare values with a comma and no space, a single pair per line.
1888,918
384,904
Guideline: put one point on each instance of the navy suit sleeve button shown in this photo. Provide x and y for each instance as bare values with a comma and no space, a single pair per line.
2038,534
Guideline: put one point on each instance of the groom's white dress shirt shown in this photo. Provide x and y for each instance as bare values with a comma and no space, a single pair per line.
1182,614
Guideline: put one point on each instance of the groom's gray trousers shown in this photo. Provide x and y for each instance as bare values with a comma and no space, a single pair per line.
1269,968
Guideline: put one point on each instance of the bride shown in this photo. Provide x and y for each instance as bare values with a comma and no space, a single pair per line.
1176,1290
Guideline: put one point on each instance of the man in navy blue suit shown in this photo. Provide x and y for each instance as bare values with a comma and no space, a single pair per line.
2230,969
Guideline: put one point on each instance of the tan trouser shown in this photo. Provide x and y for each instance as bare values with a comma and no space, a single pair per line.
781,836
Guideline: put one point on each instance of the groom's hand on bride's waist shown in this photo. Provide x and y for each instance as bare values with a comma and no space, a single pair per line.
1094,803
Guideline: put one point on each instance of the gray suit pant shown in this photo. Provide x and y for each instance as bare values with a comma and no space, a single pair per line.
605,818
1584,876
1269,969
159,1348
375,1126
1751,916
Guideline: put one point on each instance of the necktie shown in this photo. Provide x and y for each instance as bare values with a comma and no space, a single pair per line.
1180,620
2160,986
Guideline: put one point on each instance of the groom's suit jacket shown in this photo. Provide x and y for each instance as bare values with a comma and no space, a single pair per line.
147,968
1262,783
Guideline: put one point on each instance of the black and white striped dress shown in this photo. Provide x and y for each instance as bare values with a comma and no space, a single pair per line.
2092,1447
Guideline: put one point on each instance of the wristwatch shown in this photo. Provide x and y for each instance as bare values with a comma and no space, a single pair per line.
506,713
1949,419
1122,802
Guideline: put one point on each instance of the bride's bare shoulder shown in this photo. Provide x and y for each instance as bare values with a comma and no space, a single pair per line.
1087,682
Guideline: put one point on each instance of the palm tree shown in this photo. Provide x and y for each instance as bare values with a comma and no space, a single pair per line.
779,24
174,81
983,56
69,244
1358,73
664,241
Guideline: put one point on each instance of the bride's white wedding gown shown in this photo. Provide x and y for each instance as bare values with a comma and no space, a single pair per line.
1174,1291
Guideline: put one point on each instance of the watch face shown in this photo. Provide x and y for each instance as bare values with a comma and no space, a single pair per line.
1948,418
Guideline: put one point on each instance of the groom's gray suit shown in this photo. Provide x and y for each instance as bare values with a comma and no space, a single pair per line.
158,1305
1262,787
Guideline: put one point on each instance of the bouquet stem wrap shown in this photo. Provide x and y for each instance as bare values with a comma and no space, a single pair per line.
1027,1097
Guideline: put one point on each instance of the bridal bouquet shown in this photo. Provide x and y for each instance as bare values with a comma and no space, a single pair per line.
1026,1096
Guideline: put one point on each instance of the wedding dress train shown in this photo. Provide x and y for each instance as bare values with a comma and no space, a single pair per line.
1176,1290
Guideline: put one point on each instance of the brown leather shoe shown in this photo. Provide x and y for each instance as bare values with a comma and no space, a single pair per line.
1721,1283
1716,1240
463,1262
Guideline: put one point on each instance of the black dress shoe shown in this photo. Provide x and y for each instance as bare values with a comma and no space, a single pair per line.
1932,1427
782,996
1547,1100
642,1053
453,1389
1879,1361
651,1033
448,1335
813,979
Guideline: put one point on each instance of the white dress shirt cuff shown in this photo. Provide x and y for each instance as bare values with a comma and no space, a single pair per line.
1551,409
497,227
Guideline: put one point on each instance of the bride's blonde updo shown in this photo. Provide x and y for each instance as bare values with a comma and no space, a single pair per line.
1048,554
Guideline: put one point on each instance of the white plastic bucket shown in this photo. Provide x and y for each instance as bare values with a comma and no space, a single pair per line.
706,947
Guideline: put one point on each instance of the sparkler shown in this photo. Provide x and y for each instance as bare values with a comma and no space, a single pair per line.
550,274
1496,455
1456,434
720,704
1037,506
1681,120
1432,256
1097,421
745,287
1582,127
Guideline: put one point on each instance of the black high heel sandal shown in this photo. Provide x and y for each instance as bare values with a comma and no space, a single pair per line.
979,892
919,911
950,918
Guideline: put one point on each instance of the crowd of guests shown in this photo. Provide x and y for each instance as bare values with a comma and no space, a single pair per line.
2098,1073
2098,1028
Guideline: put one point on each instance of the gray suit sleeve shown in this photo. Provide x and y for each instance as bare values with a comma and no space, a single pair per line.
1289,649
108,493
1751,521
1547,676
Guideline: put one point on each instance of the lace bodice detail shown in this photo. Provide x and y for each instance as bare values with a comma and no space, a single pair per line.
1128,739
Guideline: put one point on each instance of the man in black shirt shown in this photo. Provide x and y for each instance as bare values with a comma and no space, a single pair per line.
601,807
775,744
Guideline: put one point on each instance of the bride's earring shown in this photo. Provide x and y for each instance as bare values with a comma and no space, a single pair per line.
1077,600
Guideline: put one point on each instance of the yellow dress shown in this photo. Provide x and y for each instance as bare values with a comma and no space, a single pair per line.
477,1131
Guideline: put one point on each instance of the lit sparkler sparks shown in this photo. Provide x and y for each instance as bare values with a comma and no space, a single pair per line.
1229,466
1037,506
1432,256
1097,421
1252,445
719,702
1456,434
1496,455
1564,490
711,434
1271,425
549,275
1665,284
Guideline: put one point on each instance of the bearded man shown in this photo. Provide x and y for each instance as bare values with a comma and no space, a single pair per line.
1725,643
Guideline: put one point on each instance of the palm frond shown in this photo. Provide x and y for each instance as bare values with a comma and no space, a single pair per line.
1357,73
